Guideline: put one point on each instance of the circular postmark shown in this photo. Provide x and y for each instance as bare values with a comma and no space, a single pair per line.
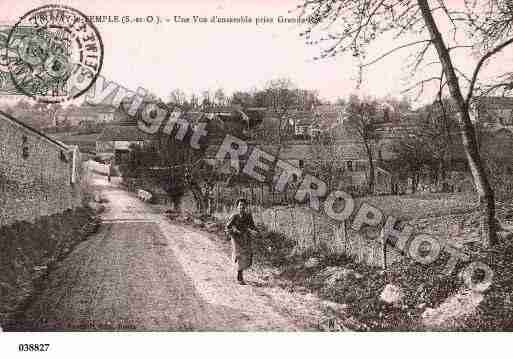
55,54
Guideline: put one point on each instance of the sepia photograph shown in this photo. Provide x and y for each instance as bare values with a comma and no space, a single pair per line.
205,172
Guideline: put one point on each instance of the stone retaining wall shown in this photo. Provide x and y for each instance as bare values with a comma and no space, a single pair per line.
36,174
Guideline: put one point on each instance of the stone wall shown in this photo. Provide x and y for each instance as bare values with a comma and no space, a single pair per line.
35,174
314,231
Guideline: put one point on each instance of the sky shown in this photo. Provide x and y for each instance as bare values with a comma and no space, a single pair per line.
195,57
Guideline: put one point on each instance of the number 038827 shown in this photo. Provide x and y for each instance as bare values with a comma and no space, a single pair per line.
33,347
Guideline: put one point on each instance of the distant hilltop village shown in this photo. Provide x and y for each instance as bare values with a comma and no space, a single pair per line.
302,133
300,122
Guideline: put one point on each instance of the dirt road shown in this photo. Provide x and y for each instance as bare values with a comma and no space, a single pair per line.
142,272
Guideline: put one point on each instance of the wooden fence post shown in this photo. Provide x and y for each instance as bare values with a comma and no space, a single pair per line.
314,237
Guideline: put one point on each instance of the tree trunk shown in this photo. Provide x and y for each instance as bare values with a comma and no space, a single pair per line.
444,175
199,198
371,167
468,134
271,174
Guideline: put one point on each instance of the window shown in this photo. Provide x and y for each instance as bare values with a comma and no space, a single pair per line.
301,164
63,157
25,149
349,165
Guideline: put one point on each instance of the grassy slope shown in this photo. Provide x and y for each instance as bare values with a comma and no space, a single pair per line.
424,286
25,247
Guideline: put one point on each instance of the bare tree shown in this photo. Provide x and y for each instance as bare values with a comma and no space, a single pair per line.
430,144
280,99
413,154
351,25
174,165
177,97
206,101
362,115
328,162
194,101
242,98
307,99
438,129
220,97
187,167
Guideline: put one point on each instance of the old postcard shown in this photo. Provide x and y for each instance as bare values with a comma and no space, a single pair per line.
261,166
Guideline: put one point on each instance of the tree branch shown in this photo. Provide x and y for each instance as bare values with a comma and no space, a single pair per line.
420,56
421,83
480,64
508,86
392,51
462,74
459,47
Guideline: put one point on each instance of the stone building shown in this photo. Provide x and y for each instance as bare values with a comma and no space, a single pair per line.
38,175
74,116
117,139
305,156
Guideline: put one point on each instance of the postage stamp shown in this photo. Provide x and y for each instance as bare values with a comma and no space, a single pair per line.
54,53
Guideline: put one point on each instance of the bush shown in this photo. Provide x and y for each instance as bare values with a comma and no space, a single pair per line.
272,247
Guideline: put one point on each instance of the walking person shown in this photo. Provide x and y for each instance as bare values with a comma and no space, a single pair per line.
239,227
109,164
